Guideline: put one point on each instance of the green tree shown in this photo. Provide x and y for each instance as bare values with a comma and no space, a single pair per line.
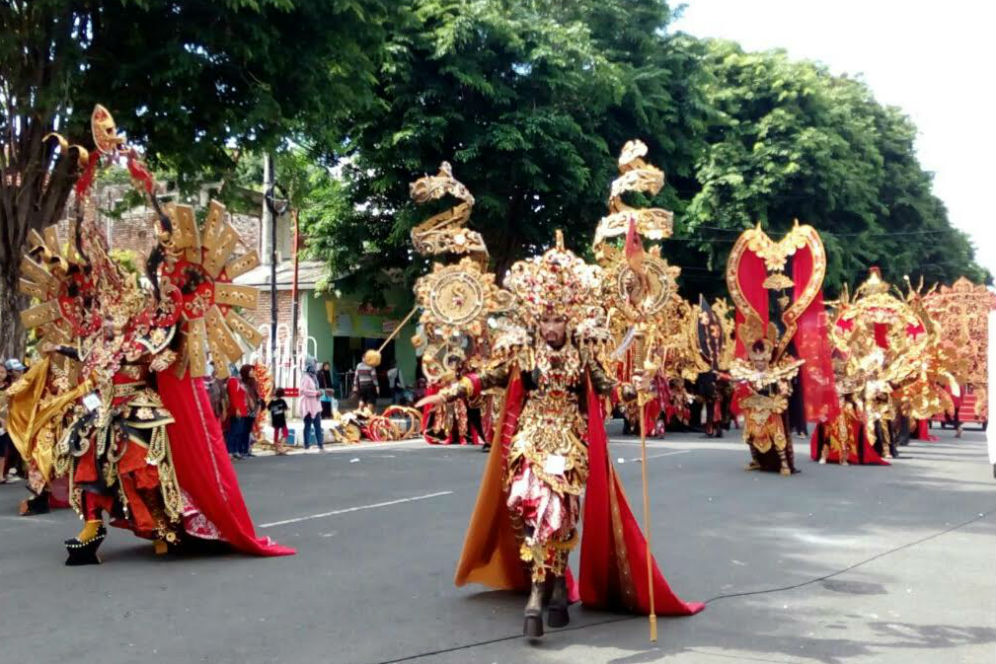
184,77
530,102
789,140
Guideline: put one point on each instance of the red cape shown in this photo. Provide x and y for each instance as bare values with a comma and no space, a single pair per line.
613,550
203,468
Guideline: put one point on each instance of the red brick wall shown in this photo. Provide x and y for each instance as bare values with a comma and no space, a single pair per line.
262,314
135,230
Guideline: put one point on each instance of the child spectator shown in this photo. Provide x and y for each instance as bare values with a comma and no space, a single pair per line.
278,418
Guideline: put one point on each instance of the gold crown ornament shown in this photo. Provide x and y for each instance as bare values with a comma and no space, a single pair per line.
558,283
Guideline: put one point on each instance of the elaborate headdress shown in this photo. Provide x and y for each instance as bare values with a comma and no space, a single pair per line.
558,282
760,343
874,285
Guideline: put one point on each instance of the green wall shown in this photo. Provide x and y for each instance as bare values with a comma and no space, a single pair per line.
349,320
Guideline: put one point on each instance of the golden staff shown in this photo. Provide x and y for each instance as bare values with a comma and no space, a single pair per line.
398,328
640,353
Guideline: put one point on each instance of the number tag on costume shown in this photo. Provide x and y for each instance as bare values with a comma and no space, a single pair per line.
555,464
91,401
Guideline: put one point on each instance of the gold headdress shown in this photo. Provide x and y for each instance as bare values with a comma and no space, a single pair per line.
558,283
760,345
874,285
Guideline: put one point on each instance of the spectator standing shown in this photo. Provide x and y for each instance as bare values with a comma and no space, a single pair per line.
365,385
253,402
396,380
242,400
310,406
216,395
325,385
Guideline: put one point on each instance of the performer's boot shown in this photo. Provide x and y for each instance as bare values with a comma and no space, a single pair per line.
785,469
557,614
34,505
83,548
754,463
825,453
533,626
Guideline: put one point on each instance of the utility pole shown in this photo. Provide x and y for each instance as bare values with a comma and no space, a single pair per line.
294,293
270,233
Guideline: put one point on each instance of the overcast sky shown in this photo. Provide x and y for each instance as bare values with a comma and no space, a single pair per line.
936,61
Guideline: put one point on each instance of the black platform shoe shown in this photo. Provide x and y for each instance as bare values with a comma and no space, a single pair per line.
85,553
556,613
533,626
35,505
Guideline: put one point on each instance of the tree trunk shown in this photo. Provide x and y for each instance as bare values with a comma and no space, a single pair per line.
11,303
26,201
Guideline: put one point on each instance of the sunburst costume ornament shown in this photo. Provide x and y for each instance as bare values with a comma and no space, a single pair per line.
456,300
639,290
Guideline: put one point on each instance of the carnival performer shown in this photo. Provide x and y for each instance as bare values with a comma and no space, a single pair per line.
766,386
843,439
552,442
140,444
116,450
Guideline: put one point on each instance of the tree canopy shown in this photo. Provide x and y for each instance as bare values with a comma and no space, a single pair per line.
186,78
531,102
790,141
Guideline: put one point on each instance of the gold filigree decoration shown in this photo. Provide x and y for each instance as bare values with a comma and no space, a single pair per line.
446,232
639,176
775,256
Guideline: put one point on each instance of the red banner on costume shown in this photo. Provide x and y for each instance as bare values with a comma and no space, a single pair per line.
751,276
813,345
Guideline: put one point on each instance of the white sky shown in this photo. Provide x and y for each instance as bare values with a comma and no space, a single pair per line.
936,61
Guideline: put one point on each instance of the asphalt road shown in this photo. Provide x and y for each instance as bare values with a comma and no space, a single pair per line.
859,564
